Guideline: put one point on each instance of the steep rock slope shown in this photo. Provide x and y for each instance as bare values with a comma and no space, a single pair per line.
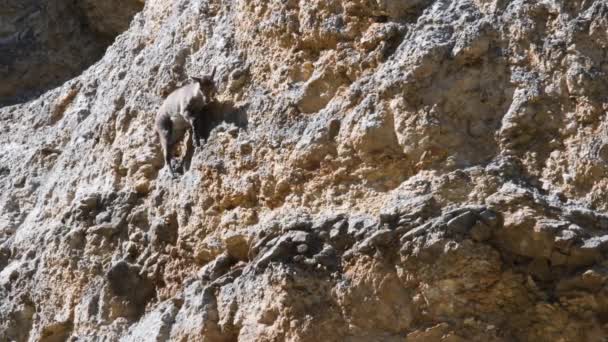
373,171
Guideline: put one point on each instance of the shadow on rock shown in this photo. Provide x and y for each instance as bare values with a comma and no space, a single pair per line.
210,117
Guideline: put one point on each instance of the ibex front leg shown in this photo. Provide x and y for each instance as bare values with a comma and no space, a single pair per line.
189,116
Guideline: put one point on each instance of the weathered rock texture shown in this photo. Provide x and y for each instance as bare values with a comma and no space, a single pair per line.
373,171
43,43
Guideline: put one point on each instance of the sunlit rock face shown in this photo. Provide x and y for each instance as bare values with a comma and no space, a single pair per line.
371,171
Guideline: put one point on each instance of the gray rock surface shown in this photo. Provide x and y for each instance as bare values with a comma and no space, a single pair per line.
372,171
45,43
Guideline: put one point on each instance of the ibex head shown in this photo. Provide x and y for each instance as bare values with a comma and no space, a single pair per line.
206,82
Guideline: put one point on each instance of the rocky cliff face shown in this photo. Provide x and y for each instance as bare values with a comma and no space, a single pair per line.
373,171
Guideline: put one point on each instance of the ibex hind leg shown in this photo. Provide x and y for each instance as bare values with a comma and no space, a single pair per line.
166,143
167,152
167,149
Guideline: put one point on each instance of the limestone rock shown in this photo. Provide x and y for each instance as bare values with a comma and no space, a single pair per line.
126,281
371,171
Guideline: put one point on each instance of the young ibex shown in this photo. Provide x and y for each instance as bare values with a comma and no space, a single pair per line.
180,110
